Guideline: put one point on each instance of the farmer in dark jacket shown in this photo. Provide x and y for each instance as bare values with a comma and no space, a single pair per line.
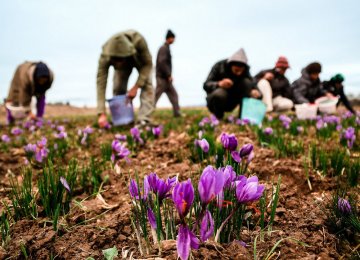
335,87
228,82
275,87
125,51
164,77
308,87
31,79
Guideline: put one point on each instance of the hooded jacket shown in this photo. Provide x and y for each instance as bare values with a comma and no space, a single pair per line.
124,44
243,84
23,86
305,90
280,85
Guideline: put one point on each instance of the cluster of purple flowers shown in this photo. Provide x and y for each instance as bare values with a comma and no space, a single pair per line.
38,150
285,120
119,151
350,136
135,133
211,121
61,134
16,131
84,134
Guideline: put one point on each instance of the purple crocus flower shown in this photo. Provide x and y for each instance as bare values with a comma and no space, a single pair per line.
229,175
210,184
185,241
338,128
350,136
268,131
157,131
119,151
120,137
60,128
300,129
183,197
229,142
344,206
5,139
30,148
151,218
134,190
88,130
248,189
61,135
16,131
285,121
135,133
159,186
246,150
214,120
65,184
320,124
203,144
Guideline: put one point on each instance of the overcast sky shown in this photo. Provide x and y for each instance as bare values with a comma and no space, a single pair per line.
68,36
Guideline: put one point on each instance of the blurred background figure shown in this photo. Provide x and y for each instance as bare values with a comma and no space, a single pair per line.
125,51
335,87
275,87
164,78
308,87
31,79
228,83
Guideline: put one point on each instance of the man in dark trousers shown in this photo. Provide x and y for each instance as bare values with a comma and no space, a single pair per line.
164,77
228,83
335,87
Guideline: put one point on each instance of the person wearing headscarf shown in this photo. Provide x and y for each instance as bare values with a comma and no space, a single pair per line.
275,87
335,86
31,79
228,82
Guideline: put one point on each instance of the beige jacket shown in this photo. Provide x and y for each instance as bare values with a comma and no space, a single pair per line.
22,87
124,44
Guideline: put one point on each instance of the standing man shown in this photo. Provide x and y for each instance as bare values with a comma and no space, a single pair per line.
164,77
228,83
125,51
31,79
275,87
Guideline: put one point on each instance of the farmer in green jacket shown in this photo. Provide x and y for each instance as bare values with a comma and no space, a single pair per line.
124,51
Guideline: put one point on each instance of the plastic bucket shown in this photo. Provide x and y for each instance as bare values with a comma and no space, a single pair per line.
122,111
327,105
253,110
306,111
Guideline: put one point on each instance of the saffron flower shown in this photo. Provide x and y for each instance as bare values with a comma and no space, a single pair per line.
248,189
229,175
285,120
119,151
136,193
151,218
344,206
207,226
5,139
16,131
350,136
135,133
159,186
157,131
268,131
183,197
229,142
120,137
186,240
246,151
210,184
61,135
203,144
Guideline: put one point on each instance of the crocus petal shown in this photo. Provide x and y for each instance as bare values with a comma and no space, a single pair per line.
183,242
65,184
151,218
236,156
207,226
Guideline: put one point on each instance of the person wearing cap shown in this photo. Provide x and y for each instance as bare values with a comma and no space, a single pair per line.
228,83
164,79
125,51
275,87
308,87
335,87
31,79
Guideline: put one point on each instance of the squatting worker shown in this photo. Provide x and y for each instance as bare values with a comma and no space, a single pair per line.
164,78
125,51
31,79
228,83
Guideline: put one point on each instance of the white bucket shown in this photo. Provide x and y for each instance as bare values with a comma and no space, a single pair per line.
306,111
327,105
18,112
122,111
